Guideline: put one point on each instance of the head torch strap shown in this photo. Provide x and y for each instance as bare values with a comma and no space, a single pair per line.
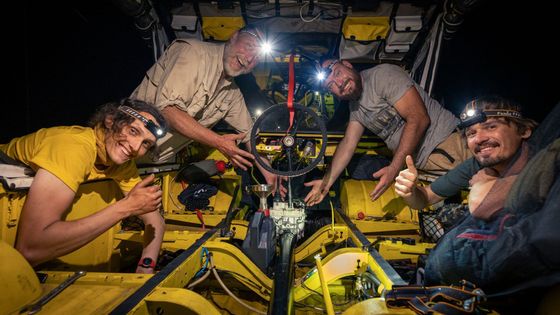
149,124
503,113
250,33
473,115
329,68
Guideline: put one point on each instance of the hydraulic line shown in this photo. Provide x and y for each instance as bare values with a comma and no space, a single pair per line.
228,291
324,286
282,297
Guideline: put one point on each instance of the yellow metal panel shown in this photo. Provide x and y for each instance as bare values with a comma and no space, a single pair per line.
376,306
391,250
11,204
386,227
355,199
175,301
341,263
94,293
87,299
365,28
228,257
221,27
90,198
96,255
18,282
319,240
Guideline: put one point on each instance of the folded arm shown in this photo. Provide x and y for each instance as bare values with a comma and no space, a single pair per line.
44,235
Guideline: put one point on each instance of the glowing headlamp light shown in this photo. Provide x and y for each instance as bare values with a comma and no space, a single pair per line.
157,131
472,115
265,46
323,73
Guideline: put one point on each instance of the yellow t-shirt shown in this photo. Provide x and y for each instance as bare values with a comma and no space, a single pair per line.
69,153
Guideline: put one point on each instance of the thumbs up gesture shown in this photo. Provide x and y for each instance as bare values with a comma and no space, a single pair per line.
406,181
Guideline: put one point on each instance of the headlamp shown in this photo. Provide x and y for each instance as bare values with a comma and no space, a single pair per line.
323,73
326,71
156,130
473,115
265,46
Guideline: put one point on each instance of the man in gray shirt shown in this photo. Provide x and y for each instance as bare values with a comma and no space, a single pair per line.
385,100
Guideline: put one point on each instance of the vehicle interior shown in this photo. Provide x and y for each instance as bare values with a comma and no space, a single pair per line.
237,248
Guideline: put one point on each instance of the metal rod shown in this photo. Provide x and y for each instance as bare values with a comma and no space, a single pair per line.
36,307
324,286
290,205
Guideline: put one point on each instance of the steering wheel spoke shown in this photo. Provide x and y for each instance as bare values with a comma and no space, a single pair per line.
290,151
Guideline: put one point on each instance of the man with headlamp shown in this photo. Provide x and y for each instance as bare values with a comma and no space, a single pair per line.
192,84
64,157
386,101
496,134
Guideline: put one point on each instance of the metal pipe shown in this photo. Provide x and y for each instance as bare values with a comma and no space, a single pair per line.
290,204
324,287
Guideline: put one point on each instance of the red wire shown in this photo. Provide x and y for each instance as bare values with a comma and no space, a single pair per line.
291,86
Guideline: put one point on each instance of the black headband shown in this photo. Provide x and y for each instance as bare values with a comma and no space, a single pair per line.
473,115
156,130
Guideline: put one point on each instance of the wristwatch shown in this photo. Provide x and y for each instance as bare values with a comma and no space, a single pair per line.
147,262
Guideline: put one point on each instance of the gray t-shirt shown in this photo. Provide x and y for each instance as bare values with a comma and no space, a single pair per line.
383,86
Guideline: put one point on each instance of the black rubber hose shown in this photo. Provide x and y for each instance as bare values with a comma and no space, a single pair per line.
282,301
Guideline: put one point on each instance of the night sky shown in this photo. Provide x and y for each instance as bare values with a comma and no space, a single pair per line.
65,60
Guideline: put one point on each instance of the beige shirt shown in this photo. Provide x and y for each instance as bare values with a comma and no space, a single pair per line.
189,76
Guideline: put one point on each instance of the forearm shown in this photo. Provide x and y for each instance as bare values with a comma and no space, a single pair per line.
412,133
343,153
417,199
153,234
422,197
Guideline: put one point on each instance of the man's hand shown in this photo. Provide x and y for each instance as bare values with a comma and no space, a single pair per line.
317,193
144,198
385,176
238,157
406,181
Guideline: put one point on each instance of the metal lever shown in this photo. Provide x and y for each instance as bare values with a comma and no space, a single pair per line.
36,307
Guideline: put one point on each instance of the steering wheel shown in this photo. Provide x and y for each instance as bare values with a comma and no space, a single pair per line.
290,151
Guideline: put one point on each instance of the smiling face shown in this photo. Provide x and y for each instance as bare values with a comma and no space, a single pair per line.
241,54
133,141
343,81
495,142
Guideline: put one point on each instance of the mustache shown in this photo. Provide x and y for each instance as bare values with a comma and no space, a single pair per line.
485,144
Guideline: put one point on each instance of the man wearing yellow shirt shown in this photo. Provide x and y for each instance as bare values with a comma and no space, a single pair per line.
64,157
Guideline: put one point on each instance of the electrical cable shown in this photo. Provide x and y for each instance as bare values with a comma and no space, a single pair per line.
199,280
245,280
223,285
205,264
306,4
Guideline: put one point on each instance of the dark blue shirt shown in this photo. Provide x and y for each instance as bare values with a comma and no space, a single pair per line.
456,179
